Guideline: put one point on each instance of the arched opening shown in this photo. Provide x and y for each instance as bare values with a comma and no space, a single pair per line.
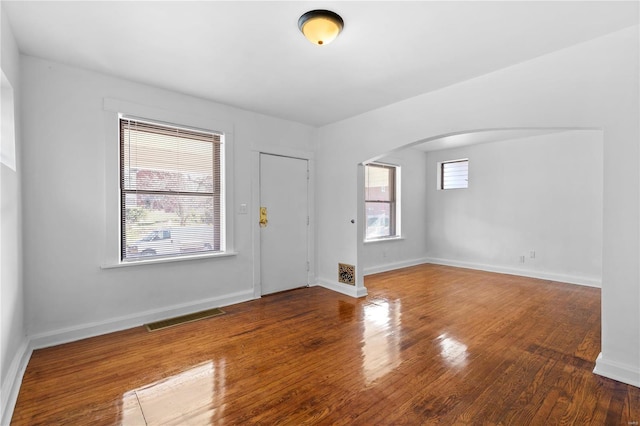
533,205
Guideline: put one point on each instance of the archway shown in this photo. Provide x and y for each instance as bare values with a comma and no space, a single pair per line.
540,246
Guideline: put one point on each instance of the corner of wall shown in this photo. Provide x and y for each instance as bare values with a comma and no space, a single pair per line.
617,371
16,348
11,385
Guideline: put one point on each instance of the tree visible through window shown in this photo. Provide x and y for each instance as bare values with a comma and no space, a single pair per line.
380,200
171,190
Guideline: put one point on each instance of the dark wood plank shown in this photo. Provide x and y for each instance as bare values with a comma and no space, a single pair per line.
430,344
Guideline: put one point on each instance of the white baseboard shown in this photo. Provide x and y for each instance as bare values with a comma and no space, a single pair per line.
13,381
349,290
550,276
617,371
83,331
391,266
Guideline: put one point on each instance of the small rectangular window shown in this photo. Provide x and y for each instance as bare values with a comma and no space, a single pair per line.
171,190
380,201
454,174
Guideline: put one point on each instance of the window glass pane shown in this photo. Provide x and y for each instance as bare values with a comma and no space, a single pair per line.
165,225
455,174
166,162
380,201
378,217
377,183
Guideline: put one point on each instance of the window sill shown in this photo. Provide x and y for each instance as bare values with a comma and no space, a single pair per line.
383,239
167,260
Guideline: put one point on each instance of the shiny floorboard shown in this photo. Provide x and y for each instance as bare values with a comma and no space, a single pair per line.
430,344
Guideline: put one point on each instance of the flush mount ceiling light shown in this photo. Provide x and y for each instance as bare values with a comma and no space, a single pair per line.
320,26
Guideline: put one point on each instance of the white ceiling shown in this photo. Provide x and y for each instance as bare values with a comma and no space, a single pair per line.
251,54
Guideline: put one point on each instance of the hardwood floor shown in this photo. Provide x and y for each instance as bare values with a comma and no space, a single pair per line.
430,344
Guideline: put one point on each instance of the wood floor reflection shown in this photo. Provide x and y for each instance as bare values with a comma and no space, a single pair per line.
430,344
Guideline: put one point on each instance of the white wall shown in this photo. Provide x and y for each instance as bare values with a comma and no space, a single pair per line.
593,84
384,255
12,330
68,294
540,193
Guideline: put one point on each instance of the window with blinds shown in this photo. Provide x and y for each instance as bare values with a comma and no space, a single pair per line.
380,200
454,174
171,189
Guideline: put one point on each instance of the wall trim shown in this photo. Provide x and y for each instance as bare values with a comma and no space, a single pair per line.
92,329
617,371
395,265
13,381
349,290
571,279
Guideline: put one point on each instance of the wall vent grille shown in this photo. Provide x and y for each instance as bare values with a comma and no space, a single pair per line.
346,273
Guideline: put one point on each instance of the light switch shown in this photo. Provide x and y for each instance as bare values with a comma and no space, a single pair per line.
243,209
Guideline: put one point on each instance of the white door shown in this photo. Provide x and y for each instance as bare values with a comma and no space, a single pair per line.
283,240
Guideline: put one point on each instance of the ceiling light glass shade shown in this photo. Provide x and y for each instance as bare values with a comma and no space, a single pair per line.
320,26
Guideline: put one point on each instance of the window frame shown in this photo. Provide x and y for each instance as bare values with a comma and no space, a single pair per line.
441,177
114,108
394,202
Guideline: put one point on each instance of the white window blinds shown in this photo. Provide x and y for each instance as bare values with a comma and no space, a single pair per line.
171,190
455,174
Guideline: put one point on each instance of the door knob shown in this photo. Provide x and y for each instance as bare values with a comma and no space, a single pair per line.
263,217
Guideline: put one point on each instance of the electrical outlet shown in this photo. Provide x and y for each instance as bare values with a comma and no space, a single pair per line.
522,259
532,254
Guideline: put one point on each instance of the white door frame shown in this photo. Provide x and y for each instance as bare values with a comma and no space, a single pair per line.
255,205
